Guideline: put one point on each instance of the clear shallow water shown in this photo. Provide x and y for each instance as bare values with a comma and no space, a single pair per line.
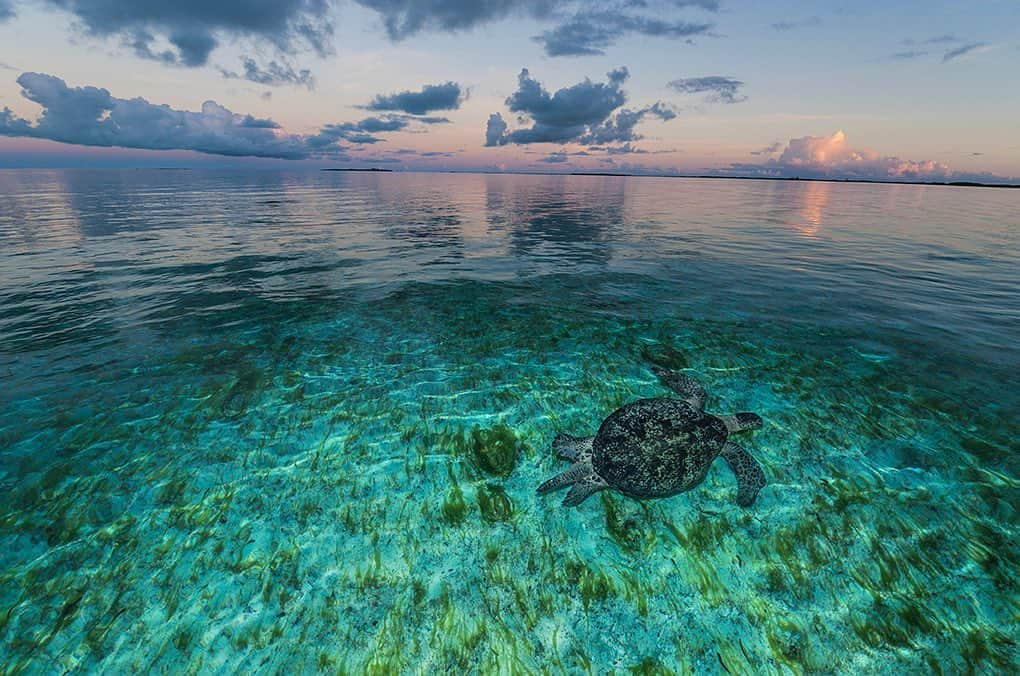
295,420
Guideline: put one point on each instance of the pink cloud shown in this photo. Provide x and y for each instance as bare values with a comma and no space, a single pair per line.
833,155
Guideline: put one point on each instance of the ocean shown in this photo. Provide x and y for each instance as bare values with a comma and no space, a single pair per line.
294,421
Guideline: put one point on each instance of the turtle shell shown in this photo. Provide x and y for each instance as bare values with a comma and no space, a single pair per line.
657,447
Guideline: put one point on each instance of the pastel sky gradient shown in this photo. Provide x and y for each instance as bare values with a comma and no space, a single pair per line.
894,89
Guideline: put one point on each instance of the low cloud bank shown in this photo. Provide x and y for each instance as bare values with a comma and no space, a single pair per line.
91,116
833,157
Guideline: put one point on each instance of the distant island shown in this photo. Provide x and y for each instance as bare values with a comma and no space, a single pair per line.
365,169
966,184
969,184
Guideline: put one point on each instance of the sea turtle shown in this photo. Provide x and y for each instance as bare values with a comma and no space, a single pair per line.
654,448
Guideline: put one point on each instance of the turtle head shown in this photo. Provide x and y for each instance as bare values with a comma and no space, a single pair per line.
742,422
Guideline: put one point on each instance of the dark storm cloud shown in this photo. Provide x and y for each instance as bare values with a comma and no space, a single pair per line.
590,33
92,116
587,112
962,51
193,29
720,89
446,96
272,74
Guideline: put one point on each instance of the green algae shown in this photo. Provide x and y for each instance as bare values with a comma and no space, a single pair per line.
454,509
493,503
665,355
629,529
591,585
493,450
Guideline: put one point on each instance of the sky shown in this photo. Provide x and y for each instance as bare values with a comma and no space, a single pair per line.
895,90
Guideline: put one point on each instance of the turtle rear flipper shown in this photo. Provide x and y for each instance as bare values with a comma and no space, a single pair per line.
580,491
582,479
689,389
750,477
576,472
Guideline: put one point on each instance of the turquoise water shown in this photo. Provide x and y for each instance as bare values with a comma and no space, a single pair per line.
295,421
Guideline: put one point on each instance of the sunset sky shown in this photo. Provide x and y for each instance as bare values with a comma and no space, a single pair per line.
895,89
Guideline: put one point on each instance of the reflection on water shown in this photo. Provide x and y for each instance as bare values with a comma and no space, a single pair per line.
813,200
567,219
294,421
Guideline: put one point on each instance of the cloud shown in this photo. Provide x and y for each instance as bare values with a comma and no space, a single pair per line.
952,54
362,132
272,74
833,157
91,116
566,115
720,89
554,158
446,96
909,54
192,30
495,130
625,149
771,149
801,23
6,9
404,18
590,33
587,112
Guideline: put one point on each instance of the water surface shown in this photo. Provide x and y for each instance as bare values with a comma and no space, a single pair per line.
294,420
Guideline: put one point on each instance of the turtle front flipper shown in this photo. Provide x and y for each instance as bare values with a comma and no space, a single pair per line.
572,448
750,477
689,389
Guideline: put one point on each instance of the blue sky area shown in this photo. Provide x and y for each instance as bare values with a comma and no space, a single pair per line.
904,90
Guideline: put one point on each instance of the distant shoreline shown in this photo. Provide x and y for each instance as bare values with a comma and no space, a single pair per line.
956,184
379,170
361,169
959,184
